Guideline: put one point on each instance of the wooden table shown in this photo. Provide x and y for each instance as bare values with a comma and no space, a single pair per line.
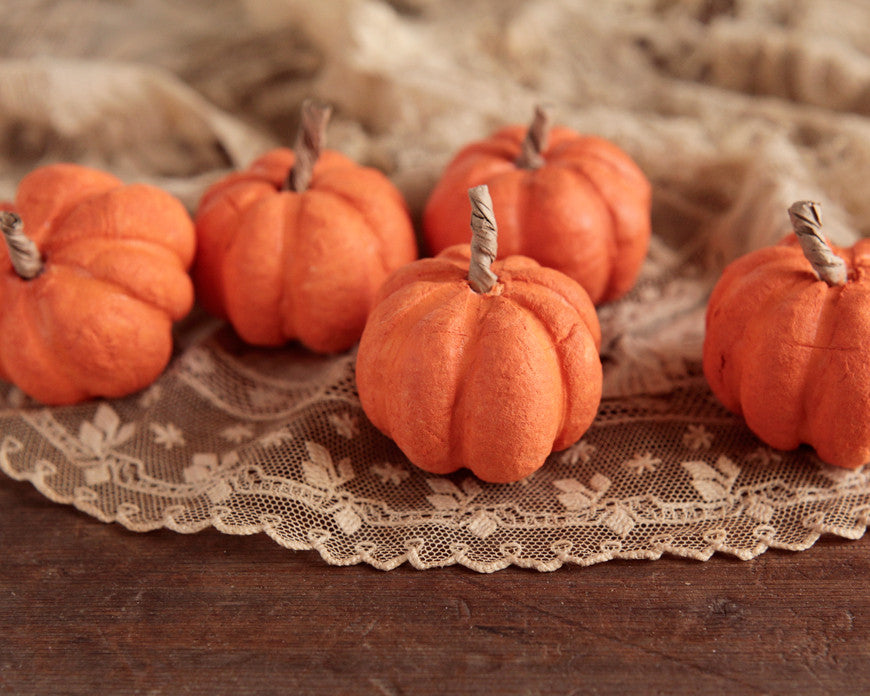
90,608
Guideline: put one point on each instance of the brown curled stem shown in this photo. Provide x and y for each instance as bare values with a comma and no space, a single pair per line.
25,257
310,140
535,143
484,240
806,221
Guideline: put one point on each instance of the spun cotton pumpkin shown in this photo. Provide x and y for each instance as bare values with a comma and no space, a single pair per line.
92,276
576,203
787,342
296,246
489,366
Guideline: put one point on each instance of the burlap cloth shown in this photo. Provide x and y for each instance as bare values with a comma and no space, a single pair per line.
733,109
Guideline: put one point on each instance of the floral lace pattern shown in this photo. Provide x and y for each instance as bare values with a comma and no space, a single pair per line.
298,460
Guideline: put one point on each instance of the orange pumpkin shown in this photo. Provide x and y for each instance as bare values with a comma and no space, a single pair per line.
492,368
296,246
787,341
572,202
93,275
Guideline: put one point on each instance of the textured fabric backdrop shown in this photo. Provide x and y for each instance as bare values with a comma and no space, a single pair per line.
733,109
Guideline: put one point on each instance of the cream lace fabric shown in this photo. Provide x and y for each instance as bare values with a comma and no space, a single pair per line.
733,109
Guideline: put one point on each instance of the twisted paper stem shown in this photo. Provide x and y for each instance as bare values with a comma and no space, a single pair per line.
309,141
25,257
807,223
531,153
484,240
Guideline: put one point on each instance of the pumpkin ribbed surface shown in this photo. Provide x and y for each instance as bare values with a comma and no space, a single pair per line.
493,382
584,211
283,265
789,352
97,319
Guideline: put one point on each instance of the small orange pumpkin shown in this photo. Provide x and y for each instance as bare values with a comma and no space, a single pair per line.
492,368
787,342
575,203
296,246
93,275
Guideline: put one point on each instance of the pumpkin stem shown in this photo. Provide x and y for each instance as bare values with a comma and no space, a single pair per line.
531,153
25,257
807,223
484,240
309,141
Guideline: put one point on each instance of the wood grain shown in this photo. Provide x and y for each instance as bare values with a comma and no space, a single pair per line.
89,608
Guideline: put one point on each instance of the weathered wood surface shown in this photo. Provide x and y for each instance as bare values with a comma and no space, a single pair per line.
89,608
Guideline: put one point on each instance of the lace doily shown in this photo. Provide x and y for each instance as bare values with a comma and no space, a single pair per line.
275,441
734,110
